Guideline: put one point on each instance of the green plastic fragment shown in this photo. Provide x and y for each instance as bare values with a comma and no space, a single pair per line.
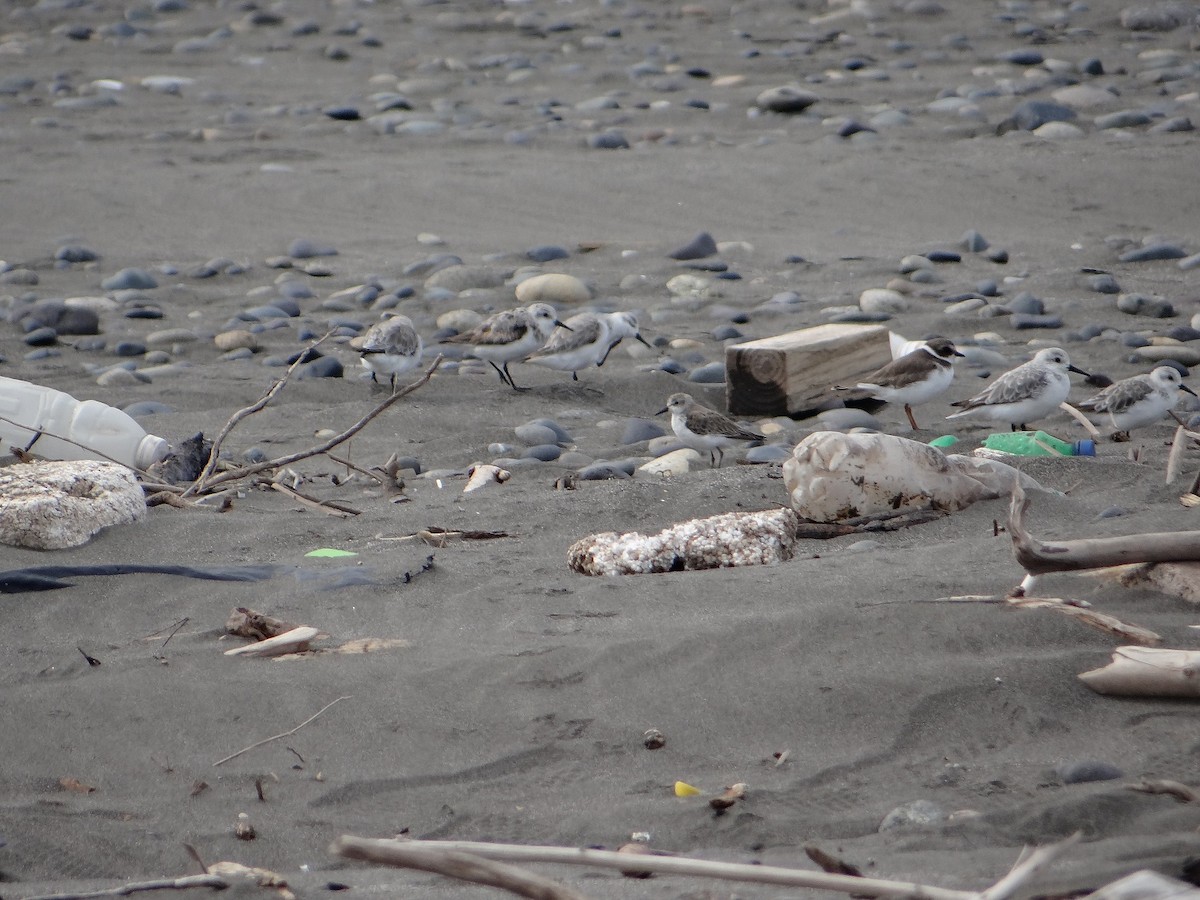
328,552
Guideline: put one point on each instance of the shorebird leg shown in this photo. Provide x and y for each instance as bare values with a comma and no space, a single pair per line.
504,379
512,383
719,456
911,421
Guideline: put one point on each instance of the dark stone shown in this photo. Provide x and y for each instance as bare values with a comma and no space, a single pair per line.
699,247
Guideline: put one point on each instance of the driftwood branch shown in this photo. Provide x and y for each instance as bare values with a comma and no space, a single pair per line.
1147,672
278,736
1039,557
383,851
463,866
213,454
162,884
206,483
1027,868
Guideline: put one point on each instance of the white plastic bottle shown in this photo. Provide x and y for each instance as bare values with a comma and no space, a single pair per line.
35,407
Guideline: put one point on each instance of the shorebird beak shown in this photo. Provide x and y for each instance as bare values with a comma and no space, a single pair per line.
1184,387
647,343
561,325
663,410
957,353
1078,371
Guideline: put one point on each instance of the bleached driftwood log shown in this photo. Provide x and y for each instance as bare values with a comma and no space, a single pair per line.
1039,557
398,853
731,539
1175,579
53,505
1147,672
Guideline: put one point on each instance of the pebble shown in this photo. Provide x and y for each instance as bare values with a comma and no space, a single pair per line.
321,367
914,814
1032,114
726,333
699,247
234,340
882,300
1183,333
1153,252
709,373
785,99
973,242
847,418
170,336
543,452
147,408
1165,353
1113,512
1081,771
306,248
130,279
561,435
41,337
1125,118
676,462
547,253
532,434
638,430
1141,305
1102,283
129,348
459,278
1022,321
75,253
608,140
120,377
552,288
768,454
457,321
602,471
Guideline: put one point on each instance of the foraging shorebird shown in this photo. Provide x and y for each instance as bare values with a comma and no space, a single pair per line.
586,340
391,347
914,378
1137,401
510,335
1027,393
704,430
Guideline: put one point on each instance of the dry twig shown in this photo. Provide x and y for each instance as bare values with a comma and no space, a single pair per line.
278,736
207,481
162,884
214,452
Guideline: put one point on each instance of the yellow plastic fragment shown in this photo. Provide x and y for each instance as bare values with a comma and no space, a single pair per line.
683,789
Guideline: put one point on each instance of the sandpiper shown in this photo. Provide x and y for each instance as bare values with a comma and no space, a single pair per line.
1137,401
510,335
1027,393
704,430
391,347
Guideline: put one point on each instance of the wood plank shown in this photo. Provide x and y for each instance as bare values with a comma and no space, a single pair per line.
792,373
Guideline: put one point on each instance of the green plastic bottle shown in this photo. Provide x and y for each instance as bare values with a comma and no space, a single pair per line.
1038,443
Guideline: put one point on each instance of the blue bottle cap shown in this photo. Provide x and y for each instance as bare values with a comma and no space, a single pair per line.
1085,448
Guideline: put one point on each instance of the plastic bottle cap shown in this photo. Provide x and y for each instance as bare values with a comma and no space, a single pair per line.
1085,448
150,450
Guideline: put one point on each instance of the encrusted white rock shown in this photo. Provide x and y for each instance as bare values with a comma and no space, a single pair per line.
731,539
54,505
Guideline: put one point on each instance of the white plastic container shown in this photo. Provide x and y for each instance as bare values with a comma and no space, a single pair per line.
35,407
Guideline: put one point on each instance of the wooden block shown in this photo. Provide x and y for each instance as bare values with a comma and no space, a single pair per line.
794,372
